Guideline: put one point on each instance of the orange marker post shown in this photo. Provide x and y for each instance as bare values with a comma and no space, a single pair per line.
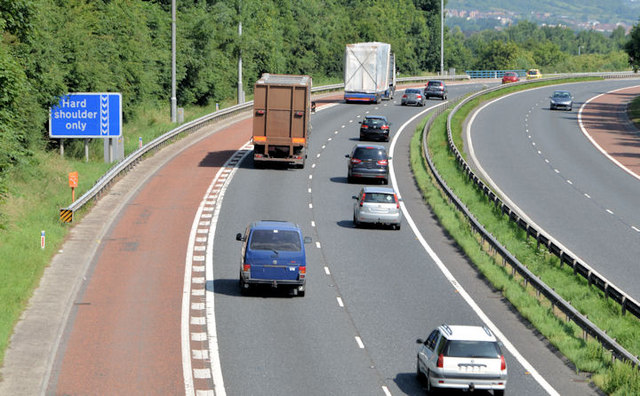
73,183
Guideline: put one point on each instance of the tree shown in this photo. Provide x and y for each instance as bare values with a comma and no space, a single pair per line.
632,48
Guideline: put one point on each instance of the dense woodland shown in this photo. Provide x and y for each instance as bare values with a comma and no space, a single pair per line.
51,47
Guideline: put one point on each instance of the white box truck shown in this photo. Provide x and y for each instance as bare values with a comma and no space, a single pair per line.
369,72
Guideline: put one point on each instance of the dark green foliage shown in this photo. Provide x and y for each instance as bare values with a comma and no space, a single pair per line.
50,48
632,48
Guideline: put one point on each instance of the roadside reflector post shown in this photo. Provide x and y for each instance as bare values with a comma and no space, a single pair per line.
73,183
42,239
140,142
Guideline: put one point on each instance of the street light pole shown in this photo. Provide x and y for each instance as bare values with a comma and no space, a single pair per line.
240,88
174,100
442,37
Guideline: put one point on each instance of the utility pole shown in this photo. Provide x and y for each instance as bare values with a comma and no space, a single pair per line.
240,89
174,100
442,37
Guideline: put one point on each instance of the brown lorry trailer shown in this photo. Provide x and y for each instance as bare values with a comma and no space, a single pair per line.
281,115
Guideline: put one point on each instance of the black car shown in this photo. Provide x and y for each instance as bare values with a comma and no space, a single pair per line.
368,161
436,88
374,128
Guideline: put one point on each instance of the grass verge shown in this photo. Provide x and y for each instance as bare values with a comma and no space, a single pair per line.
38,189
587,355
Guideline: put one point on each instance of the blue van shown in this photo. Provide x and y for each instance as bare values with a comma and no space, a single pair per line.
273,254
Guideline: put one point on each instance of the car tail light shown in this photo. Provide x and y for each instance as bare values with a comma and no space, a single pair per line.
404,96
298,140
299,113
383,162
355,161
302,271
441,361
259,138
419,96
397,202
246,267
259,112
362,200
364,126
503,363
384,127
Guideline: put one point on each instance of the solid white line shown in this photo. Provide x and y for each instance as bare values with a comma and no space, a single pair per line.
586,133
186,336
635,228
445,271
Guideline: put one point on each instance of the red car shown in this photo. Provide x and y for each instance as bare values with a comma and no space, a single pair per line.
509,77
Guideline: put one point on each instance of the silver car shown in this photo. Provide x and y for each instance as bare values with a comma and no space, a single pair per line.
413,96
561,100
377,205
462,357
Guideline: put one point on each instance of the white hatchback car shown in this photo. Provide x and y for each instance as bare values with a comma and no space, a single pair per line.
377,205
462,357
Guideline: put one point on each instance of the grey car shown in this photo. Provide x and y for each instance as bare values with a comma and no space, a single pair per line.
413,96
368,161
436,88
377,205
561,100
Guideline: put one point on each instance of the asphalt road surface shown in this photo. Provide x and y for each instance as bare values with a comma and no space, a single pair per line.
371,292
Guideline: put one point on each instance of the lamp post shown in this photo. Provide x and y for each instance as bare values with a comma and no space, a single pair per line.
442,37
240,88
174,101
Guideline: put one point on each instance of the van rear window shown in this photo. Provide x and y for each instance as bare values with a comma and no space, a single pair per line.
284,240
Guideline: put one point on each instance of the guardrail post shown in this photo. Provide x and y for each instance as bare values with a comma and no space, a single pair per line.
623,303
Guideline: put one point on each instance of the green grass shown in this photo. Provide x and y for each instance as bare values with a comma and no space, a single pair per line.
587,356
36,192
633,111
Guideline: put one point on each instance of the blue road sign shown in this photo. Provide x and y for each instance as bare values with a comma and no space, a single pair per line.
87,115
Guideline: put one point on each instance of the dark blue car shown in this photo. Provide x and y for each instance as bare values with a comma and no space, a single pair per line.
273,254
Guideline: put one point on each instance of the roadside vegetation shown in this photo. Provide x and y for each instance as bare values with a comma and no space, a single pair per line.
587,356
633,111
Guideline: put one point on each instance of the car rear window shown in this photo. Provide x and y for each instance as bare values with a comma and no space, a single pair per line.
374,121
285,240
413,91
364,153
379,198
477,349
435,83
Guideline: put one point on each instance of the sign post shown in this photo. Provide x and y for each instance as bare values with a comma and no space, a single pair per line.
73,183
86,115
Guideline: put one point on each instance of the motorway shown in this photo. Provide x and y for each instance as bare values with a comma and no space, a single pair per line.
550,165
371,292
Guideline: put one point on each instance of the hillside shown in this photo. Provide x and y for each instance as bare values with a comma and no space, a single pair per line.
577,14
